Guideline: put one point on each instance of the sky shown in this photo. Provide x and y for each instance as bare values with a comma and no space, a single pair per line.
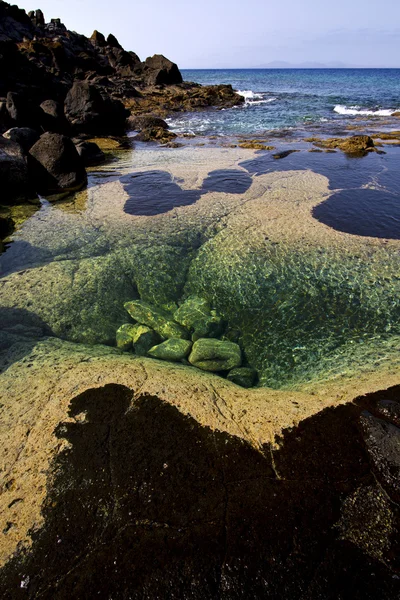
241,33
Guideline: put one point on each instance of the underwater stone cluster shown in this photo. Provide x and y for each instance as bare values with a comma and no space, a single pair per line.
192,333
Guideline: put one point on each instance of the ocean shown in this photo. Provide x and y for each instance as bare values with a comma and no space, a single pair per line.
296,99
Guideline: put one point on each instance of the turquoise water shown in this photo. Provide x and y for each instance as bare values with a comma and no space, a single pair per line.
296,99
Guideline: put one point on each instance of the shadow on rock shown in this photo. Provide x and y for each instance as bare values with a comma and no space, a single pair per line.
146,503
19,332
156,192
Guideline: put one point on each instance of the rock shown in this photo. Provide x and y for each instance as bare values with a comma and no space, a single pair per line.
144,338
155,134
24,136
389,410
215,355
112,41
138,123
283,154
156,318
52,116
357,145
123,339
243,376
88,111
172,349
14,176
56,165
90,153
196,314
98,39
382,440
160,70
21,110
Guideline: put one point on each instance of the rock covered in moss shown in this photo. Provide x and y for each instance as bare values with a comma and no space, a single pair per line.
155,318
215,355
144,338
243,376
124,340
196,314
173,349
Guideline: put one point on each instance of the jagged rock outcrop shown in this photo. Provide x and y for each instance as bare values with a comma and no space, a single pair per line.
160,70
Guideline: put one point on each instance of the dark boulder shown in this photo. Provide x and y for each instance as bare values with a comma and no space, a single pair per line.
22,111
155,134
14,177
90,153
55,164
138,123
52,117
24,136
159,70
87,110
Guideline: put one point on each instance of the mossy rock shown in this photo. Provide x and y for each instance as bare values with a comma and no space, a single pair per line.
243,376
155,318
124,338
215,355
196,314
173,349
143,338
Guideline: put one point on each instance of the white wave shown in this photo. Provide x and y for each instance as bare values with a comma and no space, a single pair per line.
357,110
249,95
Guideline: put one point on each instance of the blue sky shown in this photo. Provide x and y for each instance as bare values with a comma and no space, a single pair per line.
239,33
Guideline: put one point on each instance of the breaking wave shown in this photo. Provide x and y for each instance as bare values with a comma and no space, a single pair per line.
357,110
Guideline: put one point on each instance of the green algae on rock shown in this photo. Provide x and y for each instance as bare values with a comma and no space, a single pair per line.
173,349
215,355
156,318
243,376
196,314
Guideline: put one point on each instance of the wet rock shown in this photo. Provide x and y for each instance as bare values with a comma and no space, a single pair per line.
123,339
382,440
155,318
89,111
283,154
356,145
196,314
14,176
215,355
56,165
160,70
138,123
243,376
389,410
24,136
155,134
172,349
90,153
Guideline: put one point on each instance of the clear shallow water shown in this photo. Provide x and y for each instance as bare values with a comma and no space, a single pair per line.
296,98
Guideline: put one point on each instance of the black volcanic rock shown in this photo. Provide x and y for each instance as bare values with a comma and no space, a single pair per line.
55,164
14,177
24,136
98,38
160,70
90,153
112,41
88,110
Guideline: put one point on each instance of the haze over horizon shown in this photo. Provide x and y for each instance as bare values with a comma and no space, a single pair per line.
247,35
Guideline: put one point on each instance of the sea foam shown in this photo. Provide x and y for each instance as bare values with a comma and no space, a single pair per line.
357,110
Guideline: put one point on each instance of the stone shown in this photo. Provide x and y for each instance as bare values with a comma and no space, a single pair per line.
52,116
24,136
382,440
112,41
138,123
87,110
356,145
155,318
160,70
90,153
20,109
155,134
124,340
243,376
143,338
215,355
98,38
14,176
56,165
196,314
172,349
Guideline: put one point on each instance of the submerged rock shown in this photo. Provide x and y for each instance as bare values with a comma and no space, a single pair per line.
123,339
243,376
56,165
215,355
356,145
156,318
90,153
173,349
196,314
143,338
